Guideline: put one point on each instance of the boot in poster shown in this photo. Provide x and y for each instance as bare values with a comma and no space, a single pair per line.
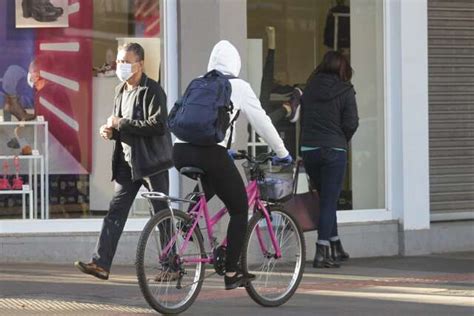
41,10
58,10
13,106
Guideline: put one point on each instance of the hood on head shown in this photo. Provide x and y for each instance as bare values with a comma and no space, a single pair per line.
225,58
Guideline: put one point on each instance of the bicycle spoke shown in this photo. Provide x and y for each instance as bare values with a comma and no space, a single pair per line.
276,277
170,280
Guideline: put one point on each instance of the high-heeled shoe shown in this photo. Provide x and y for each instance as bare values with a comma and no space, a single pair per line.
17,183
4,183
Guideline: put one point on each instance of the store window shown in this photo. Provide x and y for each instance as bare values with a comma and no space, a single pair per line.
57,65
287,40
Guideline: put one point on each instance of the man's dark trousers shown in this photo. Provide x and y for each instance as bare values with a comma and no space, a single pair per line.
125,193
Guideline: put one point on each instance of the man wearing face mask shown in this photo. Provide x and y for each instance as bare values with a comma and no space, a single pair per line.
142,152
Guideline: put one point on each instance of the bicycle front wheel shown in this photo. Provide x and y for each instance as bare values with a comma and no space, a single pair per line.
170,279
277,278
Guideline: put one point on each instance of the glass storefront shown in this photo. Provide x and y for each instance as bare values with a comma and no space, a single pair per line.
67,53
76,57
300,33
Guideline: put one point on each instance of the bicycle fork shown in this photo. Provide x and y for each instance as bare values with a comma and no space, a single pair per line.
271,232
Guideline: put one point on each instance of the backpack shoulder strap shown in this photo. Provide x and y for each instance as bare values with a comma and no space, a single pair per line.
229,141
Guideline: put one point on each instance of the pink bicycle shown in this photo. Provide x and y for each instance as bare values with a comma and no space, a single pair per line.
172,242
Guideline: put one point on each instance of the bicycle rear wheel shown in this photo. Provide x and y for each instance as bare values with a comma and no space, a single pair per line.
276,278
158,263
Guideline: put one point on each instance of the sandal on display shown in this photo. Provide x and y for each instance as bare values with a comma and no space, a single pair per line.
4,184
17,181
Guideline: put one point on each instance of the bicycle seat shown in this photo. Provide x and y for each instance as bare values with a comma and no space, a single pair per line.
192,172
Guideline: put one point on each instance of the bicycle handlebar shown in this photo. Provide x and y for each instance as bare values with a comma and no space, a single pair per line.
242,154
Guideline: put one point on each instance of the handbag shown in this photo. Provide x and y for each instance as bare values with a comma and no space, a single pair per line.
304,206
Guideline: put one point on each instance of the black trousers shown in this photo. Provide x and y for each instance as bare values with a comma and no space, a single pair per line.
114,222
222,179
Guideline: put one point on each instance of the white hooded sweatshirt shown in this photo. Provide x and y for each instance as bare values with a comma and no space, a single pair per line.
226,59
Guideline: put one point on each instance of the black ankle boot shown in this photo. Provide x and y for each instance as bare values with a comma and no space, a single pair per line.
322,258
337,252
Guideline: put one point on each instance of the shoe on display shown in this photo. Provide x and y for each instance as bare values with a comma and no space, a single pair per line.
4,183
295,104
26,150
13,143
17,183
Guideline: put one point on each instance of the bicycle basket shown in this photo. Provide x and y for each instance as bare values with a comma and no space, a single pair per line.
275,182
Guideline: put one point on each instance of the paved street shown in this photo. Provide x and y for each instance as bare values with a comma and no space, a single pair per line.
429,285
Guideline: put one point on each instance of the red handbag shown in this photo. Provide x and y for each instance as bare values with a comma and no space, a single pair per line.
304,206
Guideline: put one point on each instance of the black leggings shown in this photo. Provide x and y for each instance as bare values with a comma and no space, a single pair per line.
222,179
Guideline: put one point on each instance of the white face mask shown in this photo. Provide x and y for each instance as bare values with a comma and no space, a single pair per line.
124,71
29,79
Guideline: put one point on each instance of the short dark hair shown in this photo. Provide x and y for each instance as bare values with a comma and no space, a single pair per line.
335,63
135,48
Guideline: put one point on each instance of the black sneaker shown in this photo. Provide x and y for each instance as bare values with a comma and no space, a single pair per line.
238,280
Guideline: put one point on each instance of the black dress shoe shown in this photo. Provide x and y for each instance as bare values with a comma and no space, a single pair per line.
337,251
238,280
92,269
322,258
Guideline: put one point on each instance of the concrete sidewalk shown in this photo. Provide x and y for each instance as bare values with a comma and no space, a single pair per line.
428,285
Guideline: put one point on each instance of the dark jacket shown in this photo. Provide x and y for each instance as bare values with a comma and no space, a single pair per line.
151,151
329,112
344,28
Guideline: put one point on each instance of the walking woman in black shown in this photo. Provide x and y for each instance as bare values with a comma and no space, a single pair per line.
329,120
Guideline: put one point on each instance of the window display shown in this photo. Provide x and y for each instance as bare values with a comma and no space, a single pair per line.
49,53
295,35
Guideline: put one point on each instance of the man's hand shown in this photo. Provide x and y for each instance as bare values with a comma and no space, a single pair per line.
106,132
113,121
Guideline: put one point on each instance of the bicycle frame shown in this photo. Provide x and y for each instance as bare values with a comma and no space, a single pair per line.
201,210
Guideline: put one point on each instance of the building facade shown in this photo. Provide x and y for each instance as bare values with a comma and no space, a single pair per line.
409,187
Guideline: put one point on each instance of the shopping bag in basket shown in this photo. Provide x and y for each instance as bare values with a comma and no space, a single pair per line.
304,206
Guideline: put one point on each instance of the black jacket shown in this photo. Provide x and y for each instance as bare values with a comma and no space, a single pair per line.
329,112
344,28
151,140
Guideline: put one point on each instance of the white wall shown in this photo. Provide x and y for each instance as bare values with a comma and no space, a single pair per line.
407,82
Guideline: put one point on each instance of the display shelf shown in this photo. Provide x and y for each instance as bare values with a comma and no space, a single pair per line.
38,168
24,191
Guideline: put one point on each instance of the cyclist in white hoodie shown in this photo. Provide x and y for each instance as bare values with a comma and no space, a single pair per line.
221,175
